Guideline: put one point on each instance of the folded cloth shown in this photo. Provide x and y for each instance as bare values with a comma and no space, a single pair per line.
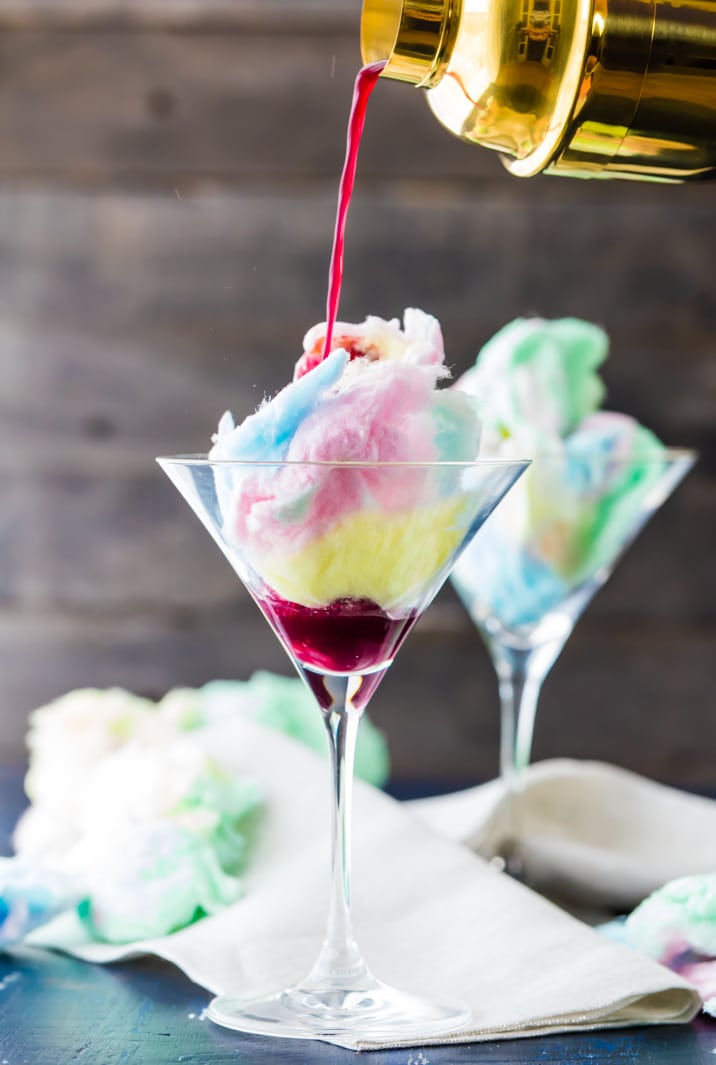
431,917
586,831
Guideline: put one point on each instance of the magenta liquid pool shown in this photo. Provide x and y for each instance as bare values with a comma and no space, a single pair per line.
347,636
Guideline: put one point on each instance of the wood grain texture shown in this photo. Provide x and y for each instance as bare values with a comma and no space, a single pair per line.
146,1011
194,15
175,110
211,136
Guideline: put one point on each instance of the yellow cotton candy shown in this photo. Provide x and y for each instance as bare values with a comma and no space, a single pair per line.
392,559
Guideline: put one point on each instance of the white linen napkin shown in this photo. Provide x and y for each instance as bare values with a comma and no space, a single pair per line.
430,916
587,831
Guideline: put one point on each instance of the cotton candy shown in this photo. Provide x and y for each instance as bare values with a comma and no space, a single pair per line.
30,896
588,488
388,559
419,342
676,925
131,821
152,879
310,530
538,374
267,434
679,916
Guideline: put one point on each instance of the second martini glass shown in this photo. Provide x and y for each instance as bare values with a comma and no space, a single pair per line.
529,576
342,559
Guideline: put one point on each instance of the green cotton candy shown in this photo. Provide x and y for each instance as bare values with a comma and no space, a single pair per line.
680,914
579,348
152,880
224,812
537,375
285,704
606,526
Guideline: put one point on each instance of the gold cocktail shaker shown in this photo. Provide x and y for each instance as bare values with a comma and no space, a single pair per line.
585,88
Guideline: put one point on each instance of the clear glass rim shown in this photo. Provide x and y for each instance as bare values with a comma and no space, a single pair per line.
667,454
204,460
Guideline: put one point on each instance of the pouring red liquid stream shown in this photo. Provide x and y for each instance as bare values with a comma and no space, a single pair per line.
365,83
349,635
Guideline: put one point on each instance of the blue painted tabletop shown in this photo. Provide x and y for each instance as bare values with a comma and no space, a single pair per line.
58,1011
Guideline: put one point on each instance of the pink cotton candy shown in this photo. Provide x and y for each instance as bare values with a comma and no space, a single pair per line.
383,407
381,416
702,974
382,413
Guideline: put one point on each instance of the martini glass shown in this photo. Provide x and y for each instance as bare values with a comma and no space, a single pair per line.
342,559
532,571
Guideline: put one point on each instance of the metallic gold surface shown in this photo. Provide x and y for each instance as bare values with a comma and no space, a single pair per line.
646,105
607,88
413,35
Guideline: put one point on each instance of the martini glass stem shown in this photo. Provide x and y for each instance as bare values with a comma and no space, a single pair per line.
519,694
340,963
520,673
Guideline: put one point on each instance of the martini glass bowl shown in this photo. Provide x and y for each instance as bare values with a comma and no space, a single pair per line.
526,579
342,559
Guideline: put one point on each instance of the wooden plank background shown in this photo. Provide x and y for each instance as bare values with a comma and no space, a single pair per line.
168,175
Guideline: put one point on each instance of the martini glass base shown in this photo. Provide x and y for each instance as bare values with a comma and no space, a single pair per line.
376,1013
508,859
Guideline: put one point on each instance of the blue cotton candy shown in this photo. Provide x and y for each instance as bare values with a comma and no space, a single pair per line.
266,435
30,896
513,585
606,450
457,429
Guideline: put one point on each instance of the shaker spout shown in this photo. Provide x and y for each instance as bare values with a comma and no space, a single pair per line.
412,36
